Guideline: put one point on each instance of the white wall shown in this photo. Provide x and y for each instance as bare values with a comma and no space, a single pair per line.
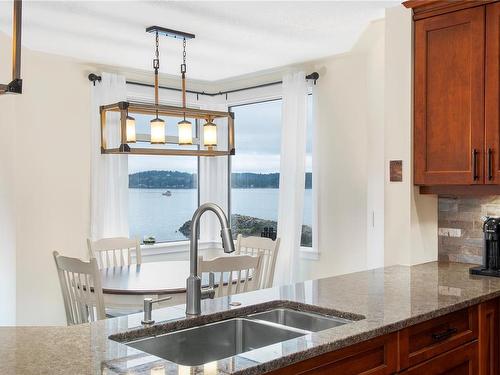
349,120
410,218
375,43
7,198
51,148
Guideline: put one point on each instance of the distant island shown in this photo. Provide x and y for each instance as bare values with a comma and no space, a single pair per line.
184,180
162,180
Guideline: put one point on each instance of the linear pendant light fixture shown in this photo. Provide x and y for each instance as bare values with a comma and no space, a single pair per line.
128,135
16,85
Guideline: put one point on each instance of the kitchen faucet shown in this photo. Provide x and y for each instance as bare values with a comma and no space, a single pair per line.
194,293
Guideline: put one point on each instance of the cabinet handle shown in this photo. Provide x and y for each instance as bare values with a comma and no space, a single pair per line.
474,165
444,335
490,164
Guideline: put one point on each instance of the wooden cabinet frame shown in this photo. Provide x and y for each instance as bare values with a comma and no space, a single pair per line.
466,93
449,104
471,347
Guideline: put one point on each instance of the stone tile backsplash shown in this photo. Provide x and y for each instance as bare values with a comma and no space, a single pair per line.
460,227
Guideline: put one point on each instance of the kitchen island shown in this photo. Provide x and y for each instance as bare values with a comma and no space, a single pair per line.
387,301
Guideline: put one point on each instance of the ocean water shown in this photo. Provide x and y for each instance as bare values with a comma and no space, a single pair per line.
151,213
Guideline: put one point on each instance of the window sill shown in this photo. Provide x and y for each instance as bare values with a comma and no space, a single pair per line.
183,246
308,253
174,247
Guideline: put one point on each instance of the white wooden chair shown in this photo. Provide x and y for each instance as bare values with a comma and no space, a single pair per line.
81,289
116,251
237,273
260,246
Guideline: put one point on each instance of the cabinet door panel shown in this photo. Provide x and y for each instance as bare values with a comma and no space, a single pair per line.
426,340
488,337
378,356
460,361
449,98
491,94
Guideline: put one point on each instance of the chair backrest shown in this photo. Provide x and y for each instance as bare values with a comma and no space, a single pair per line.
81,289
235,274
116,251
260,246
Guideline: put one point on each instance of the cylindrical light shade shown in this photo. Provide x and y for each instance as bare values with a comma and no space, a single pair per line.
185,129
210,134
157,131
131,137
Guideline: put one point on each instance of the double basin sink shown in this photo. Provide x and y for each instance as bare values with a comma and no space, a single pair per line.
211,342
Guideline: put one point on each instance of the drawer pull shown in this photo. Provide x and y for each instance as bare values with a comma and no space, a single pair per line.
475,176
490,164
444,335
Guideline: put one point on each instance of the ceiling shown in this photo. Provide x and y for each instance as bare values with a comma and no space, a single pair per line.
232,38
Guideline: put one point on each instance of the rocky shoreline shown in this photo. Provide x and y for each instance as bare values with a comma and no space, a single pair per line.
252,226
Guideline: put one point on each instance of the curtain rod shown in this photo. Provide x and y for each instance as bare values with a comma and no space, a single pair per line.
313,76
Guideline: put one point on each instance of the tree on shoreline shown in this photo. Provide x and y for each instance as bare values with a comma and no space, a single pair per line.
185,180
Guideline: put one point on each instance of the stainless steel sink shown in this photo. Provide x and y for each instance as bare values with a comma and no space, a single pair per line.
300,319
211,342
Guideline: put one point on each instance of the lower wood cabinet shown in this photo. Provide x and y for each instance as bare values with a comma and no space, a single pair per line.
489,351
460,361
465,342
378,356
426,340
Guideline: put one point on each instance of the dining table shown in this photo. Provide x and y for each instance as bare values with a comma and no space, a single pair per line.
125,287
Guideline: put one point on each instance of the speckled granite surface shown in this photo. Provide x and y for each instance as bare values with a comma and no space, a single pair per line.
390,298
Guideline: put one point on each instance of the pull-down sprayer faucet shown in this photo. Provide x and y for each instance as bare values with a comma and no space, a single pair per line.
194,293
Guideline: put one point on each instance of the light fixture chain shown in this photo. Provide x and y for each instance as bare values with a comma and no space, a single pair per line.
184,51
183,75
156,67
157,41
183,65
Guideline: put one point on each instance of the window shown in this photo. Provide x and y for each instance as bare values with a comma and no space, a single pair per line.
254,192
163,190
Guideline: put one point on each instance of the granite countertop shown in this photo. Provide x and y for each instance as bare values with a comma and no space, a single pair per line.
389,298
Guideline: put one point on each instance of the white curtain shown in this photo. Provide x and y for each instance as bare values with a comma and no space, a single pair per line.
315,173
109,173
292,175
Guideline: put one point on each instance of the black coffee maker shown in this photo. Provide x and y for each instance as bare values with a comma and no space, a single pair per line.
491,252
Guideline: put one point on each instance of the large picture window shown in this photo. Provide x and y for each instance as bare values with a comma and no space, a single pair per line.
163,191
255,168
254,171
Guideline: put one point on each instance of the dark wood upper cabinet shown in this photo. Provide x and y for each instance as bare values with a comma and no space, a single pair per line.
449,98
456,96
492,124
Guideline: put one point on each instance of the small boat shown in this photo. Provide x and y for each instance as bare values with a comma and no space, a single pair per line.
168,193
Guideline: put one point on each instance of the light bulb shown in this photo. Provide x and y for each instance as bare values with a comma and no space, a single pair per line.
210,134
185,130
157,131
131,136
